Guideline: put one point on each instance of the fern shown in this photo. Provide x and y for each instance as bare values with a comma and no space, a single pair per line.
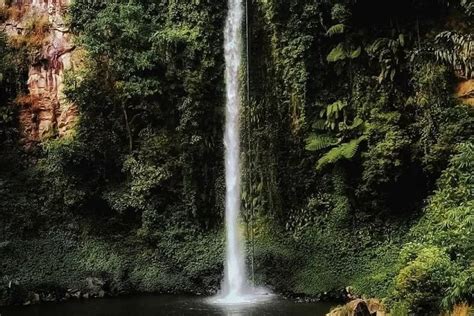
357,124
334,108
319,124
343,151
333,112
387,52
336,29
317,142
336,54
340,53
355,53
468,6
456,50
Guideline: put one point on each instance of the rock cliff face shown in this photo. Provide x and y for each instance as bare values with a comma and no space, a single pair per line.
44,110
465,91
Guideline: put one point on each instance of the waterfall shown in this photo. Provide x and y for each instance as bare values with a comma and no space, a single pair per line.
235,288
235,277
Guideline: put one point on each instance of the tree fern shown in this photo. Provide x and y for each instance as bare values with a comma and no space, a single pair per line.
343,151
318,142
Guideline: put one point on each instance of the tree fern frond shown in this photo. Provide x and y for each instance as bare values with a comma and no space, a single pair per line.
456,50
468,6
355,53
317,142
336,54
358,122
336,29
319,124
343,151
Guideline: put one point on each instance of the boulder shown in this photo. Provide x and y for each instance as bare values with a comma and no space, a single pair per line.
94,285
359,307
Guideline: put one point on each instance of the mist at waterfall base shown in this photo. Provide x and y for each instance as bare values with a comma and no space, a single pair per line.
235,287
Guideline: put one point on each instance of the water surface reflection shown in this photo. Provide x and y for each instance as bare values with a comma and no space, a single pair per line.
166,305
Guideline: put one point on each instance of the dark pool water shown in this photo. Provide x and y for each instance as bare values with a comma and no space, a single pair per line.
165,305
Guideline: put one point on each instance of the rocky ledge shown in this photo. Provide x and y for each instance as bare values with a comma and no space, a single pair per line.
360,307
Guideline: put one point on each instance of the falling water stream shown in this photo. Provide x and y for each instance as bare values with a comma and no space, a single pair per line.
235,288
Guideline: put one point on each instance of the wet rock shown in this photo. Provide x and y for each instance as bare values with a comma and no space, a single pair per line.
376,307
48,298
94,285
348,293
360,307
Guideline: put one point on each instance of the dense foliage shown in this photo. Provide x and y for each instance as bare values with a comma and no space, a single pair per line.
358,157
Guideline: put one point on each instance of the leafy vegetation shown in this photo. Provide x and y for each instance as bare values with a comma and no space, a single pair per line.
357,154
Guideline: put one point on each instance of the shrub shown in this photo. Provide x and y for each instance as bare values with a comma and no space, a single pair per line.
462,310
399,309
34,35
424,278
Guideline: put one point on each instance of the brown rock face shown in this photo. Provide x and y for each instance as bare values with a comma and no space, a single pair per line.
45,112
465,91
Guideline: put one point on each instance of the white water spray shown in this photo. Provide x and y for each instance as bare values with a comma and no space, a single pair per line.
235,281
235,287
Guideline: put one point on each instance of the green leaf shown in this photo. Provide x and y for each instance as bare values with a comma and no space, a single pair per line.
356,53
337,53
401,39
392,74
